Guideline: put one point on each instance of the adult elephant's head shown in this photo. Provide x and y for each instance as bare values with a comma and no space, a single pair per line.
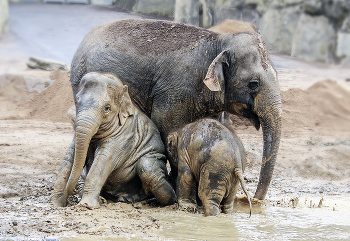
247,82
102,107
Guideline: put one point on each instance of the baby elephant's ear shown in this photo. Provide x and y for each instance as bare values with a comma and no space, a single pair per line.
126,106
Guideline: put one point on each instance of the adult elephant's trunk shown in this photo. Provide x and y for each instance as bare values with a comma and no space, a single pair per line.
86,127
269,111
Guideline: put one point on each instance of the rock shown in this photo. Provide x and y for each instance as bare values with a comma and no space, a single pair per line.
46,64
230,3
164,8
278,27
343,45
284,3
336,9
37,84
125,4
4,15
245,14
194,12
313,6
102,2
314,39
346,25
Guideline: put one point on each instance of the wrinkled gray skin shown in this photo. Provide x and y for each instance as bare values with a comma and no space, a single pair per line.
115,142
178,73
211,159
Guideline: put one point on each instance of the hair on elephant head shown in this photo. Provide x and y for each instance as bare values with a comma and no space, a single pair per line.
187,74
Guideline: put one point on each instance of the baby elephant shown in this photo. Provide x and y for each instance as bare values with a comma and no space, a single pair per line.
115,142
211,156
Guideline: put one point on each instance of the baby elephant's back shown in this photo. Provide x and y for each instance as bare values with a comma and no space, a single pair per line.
213,142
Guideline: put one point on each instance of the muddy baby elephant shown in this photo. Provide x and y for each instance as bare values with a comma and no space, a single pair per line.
209,155
115,142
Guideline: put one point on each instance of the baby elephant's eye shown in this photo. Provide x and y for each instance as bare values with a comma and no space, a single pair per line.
253,84
107,108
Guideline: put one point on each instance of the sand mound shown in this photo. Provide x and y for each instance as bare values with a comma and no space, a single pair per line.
53,104
50,105
324,105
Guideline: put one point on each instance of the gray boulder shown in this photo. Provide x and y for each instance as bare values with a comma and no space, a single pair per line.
195,12
155,7
37,84
125,4
336,9
313,6
278,27
343,45
314,39
246,14
46,64
4,15
346,25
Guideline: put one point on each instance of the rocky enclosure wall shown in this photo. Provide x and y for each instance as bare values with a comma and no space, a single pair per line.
314,30
4,15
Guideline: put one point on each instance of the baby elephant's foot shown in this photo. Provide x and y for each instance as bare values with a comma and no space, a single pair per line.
59,201
187,206
89,202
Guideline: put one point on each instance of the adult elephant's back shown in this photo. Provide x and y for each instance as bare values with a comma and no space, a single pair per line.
142,53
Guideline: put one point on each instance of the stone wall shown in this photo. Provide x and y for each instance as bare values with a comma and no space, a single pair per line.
314,30
164,8
4,15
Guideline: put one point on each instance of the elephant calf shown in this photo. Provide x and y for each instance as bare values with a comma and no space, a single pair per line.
115,142
210,155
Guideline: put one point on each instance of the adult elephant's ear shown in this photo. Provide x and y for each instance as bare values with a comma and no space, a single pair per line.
214,79
126,106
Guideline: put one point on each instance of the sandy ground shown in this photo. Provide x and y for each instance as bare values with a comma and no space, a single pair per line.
313,161
35,132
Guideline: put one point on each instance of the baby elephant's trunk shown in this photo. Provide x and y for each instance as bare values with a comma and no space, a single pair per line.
239,175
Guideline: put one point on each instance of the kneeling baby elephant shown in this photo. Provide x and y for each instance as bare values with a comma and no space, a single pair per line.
115,142
212,156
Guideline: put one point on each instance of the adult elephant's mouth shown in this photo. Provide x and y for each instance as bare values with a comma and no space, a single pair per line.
244,110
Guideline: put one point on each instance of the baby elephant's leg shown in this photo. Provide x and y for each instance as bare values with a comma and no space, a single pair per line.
227,202
186,187
211,190
151,169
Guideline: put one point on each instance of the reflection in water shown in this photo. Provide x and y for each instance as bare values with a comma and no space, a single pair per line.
329,222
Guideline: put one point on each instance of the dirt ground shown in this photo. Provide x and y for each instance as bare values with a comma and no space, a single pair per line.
35,132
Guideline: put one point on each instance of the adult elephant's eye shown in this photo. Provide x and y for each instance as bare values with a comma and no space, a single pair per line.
107,108
253,84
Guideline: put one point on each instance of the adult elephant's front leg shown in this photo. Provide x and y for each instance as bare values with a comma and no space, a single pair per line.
60,193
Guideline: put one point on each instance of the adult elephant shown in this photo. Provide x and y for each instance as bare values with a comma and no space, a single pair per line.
179,73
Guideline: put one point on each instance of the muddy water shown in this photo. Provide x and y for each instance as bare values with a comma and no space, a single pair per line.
328,221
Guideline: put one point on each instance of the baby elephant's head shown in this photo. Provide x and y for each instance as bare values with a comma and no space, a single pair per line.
102,105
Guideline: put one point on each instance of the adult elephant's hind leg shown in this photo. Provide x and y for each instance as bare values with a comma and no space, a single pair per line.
60,193
151,169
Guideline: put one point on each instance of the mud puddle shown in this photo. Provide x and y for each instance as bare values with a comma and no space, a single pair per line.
308,220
